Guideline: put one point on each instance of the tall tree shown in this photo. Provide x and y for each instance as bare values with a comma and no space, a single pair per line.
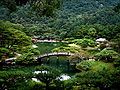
45,7
12,38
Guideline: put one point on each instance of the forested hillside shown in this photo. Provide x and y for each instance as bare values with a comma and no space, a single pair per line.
71,16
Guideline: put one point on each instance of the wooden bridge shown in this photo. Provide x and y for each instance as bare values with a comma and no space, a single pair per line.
55,54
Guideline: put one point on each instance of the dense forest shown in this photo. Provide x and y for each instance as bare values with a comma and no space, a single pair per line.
59,44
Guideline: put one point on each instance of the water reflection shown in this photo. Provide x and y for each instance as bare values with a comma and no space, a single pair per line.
37,72
61,77
64,77
35,79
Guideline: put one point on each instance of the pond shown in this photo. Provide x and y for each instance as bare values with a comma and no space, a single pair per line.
58,62
64,77
46,47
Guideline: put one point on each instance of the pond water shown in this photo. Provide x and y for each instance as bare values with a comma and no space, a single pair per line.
45,47
37,72
60,63
64,77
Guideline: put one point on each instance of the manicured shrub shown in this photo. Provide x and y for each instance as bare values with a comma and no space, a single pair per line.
84,42
93,65
107,55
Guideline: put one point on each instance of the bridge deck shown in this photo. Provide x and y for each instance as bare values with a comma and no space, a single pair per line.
56,54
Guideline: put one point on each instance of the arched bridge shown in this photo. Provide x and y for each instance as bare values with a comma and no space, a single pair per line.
55,54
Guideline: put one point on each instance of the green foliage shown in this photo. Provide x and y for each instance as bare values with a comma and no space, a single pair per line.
92,32
10,4
25,58
10,74
3,51
48,69
30,49
45,7
48,76
36,85
73,48
117,8
69,84
116,42
106,52
12,79
93,66
22,2
28,54
107,55
84,42
72,20
95,75
66,49
12,36
105,79
117,62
